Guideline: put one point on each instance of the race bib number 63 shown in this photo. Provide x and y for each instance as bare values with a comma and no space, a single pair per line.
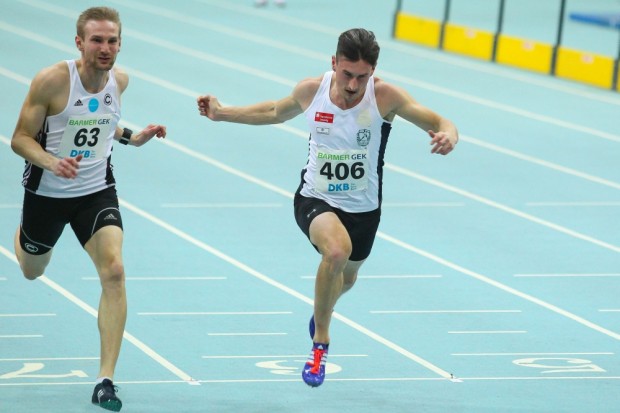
86,136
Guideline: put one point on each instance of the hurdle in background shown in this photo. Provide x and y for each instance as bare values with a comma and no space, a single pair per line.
558,60
610,21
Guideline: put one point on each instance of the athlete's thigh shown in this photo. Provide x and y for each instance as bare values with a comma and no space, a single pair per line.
105,246
362,229
96,211
327,231
32,266
42,223
351,270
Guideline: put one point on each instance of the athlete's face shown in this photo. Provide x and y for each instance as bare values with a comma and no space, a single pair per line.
351,79
100,45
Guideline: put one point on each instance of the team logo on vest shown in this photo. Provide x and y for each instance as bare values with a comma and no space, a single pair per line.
107,100
363,137
93,105
31,248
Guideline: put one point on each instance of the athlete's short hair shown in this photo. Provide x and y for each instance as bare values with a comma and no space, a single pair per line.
97,13
358,44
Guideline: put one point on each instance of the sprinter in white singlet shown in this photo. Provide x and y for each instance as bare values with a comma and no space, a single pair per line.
65,132
338,203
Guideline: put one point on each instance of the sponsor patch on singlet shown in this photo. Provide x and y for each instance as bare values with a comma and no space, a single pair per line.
341,170
86,135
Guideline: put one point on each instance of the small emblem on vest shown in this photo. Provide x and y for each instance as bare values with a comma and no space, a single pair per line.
363,137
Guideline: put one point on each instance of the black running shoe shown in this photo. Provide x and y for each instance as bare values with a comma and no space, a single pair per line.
105,396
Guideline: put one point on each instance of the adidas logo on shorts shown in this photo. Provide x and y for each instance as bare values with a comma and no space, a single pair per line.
109,216
78,103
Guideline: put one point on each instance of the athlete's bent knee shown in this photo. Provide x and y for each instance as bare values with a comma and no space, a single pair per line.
32,270
31,275
348,284
337,253
113,274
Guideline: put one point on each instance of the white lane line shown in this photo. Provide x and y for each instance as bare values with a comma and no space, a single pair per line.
16,76
246,334
26,314
489,332
222,205
574,204
331,379
21,336
384,277
381,277
219,313
443,311
552,275
52,359
538,378
610,310
286,356
532,354
162,278
422,204
129,337
421,379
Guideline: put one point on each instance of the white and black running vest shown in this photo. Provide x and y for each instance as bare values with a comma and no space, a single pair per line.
346,150
86,126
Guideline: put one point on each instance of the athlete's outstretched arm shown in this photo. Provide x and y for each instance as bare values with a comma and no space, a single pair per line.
264,113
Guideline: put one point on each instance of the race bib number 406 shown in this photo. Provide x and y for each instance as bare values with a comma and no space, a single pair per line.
86,136
341,171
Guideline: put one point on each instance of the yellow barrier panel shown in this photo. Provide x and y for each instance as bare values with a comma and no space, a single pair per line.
417,29
525,54
618,79
468,41
585,67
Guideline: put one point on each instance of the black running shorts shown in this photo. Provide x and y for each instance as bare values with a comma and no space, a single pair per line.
361,227
44,218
